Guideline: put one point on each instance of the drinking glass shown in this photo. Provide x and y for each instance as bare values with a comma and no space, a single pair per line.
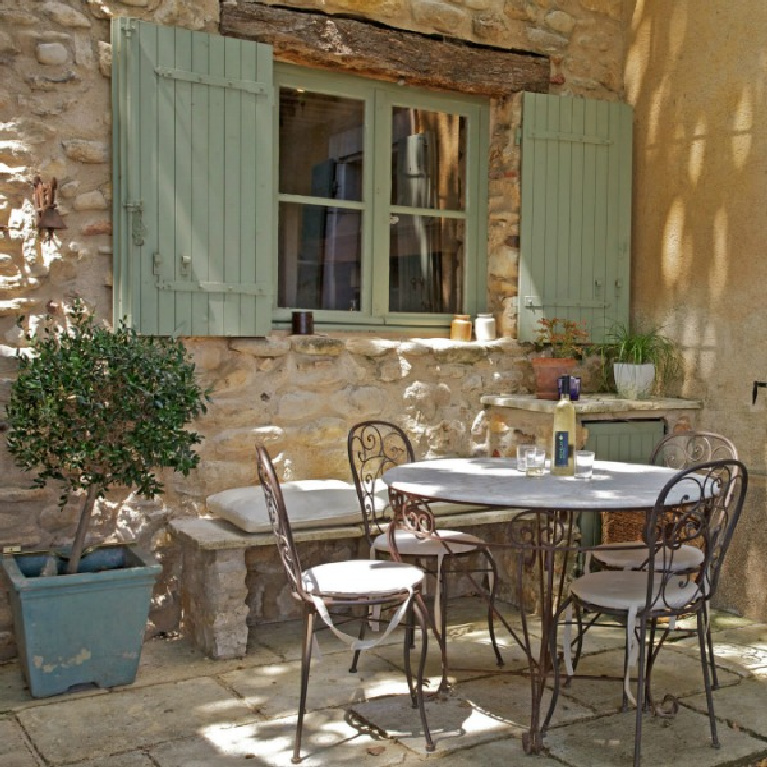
584,464
535,462
522,456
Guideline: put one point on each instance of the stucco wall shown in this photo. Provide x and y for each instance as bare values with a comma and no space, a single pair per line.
696,74
55,120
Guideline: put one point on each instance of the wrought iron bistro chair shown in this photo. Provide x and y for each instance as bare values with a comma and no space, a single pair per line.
707,499
676,451
335,589
374,447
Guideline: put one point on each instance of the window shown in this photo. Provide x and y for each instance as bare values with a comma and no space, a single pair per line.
382,200
245,189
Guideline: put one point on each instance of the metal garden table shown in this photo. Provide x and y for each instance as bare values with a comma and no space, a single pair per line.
549,506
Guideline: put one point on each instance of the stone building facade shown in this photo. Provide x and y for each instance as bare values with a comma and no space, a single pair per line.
297,394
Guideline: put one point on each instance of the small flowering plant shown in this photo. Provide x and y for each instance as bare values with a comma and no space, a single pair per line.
564,337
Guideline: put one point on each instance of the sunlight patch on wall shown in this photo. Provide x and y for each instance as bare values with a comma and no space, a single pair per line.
637,56
656,114
743,123
638,15
717,280
706,364
698,151
701,335
673,241
677,30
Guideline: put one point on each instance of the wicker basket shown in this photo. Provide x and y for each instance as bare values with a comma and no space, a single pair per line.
620,527
627,526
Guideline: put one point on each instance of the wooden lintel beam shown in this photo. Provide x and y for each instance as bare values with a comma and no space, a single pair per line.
370,49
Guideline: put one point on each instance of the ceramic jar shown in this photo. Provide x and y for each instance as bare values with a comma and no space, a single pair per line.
302,323
460,328
484,327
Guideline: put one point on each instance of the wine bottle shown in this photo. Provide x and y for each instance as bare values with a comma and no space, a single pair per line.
563,446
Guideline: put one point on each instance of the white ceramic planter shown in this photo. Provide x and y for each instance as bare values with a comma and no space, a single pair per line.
633,381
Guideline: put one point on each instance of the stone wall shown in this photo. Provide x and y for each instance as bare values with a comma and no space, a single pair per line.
298,394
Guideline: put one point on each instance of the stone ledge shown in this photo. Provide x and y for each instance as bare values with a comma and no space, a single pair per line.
213,534
592,403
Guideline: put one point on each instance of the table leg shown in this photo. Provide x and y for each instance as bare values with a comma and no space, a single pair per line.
551,534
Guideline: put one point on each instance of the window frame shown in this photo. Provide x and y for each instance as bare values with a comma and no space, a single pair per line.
380,98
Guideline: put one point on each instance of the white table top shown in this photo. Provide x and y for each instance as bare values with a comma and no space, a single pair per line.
496,482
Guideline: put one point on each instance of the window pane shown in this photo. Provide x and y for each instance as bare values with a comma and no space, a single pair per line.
321,140
426,264
319,257
428,159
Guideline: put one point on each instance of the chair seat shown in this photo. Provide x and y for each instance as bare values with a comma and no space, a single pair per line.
367,577
686,558
627,590
411,545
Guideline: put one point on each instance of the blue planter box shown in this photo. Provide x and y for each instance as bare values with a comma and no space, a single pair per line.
86,628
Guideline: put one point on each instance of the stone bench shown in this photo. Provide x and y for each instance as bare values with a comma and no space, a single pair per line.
213,586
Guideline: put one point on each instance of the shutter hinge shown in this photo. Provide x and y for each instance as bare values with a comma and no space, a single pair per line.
534,302
576,138
129,28
230,288
249,86
137,228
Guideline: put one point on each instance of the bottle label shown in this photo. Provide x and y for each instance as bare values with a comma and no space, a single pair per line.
561,448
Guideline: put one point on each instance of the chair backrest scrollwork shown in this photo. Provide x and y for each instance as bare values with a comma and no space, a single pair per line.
373,448
278,515
707,499
683,449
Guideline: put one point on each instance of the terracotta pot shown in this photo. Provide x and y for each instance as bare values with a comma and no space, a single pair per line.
547,370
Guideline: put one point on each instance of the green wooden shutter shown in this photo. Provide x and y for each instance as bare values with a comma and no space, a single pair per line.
576,212
193,202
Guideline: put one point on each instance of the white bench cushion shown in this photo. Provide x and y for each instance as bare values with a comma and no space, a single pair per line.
310,503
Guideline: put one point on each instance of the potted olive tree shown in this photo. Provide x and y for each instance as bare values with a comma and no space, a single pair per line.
93,409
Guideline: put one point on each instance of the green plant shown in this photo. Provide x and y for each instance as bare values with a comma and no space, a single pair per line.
565,338
94,408
643,345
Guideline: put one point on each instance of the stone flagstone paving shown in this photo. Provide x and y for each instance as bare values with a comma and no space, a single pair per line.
185,710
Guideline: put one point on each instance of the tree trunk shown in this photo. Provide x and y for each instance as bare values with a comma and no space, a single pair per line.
82,529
